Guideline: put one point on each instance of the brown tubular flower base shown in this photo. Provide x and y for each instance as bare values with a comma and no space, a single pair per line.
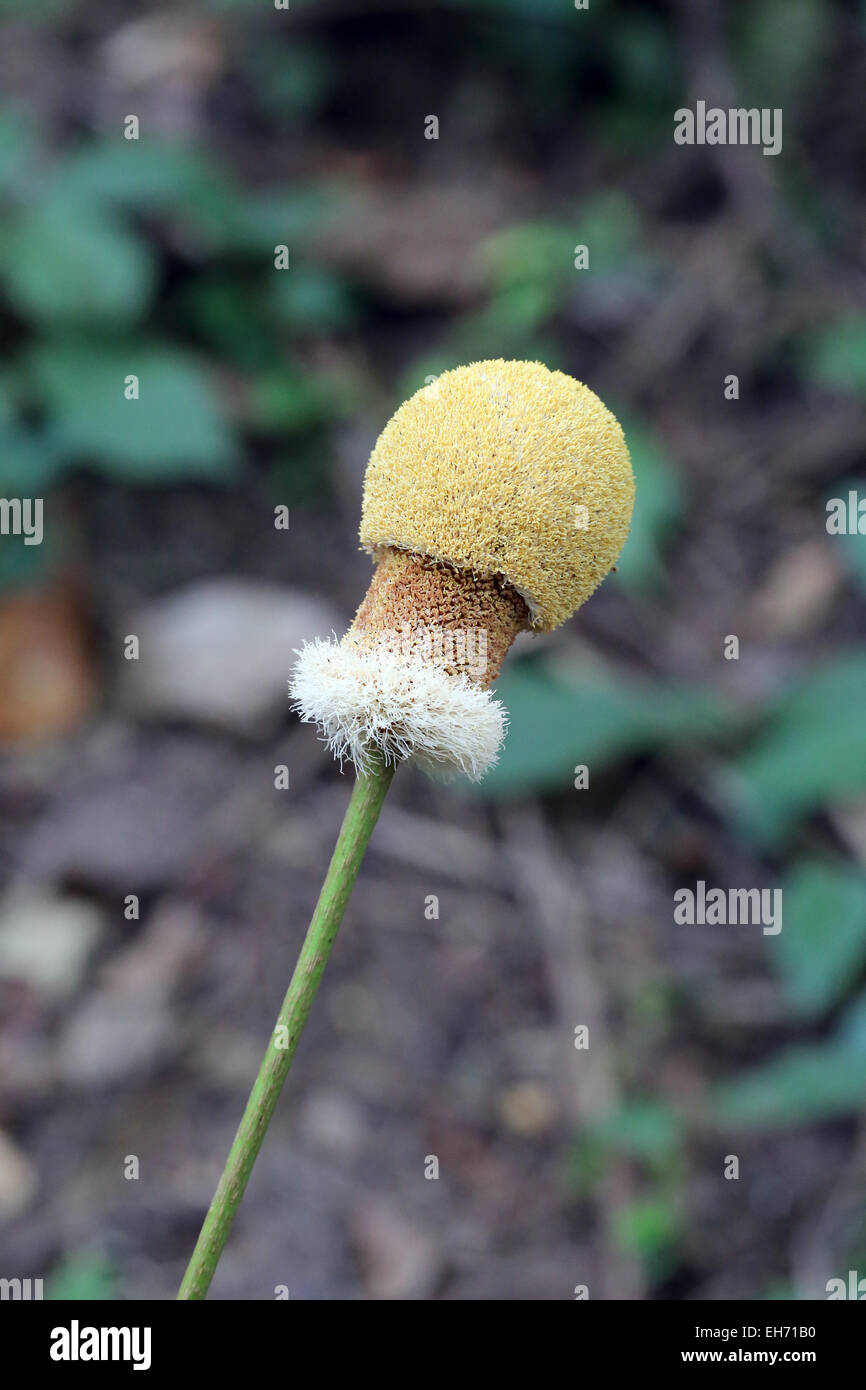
419,606
410,680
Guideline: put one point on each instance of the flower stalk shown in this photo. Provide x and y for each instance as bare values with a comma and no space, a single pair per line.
361,815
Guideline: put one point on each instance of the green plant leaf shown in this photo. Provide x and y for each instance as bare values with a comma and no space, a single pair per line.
822,944
231,313
644,59
290,82
145,175
647,1228
852,1027
171,179
529,253
802,1084
22,566
288,401
28,465
556,723
88,1278
29,462
658,507
264,220
8,401
609,225
17,147
812,751
177,429
311,299
854,551
643,1129
780,45
835,357
64,260
531,265
46,12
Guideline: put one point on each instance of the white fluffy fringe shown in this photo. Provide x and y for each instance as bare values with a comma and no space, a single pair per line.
366,699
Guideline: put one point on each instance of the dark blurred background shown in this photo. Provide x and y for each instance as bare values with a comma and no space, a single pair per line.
157,883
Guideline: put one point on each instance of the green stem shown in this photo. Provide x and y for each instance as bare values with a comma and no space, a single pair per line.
361,816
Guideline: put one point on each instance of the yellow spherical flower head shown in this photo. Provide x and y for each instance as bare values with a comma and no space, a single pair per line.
505,468
496,500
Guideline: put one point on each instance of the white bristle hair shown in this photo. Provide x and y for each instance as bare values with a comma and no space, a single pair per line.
368,700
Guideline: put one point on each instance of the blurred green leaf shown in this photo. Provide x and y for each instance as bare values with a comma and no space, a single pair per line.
29,460
645,1130
645,78
48,9
530,266
647,1227
812,750
822,944
658,507
63,260
22,566
177,429
174,180
287,401
145,175
529,252
264,220
556,723
301,476
290,81
609,224
835,356
852,1027
29,463
779,45
230,312
854,552
17,147
234,221
311,299
527,266
802,1084
88,1278
644,58
8,405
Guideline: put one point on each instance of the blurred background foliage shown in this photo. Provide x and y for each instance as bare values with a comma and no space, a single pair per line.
155,257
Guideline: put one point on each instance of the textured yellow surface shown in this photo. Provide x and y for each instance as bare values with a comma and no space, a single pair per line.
505,468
